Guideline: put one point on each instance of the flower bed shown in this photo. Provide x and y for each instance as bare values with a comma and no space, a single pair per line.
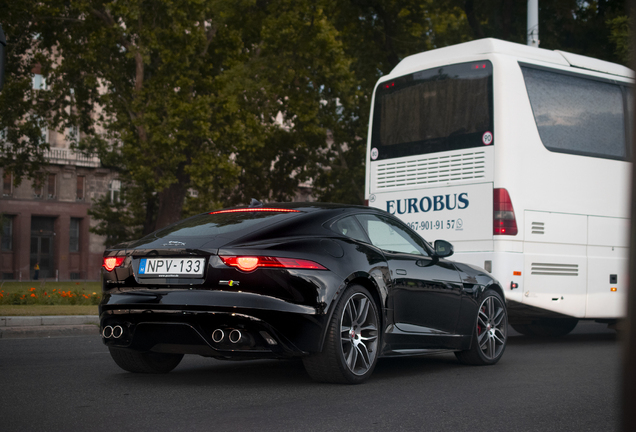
50,293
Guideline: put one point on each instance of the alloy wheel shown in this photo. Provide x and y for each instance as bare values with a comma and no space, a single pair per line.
359,333
491,327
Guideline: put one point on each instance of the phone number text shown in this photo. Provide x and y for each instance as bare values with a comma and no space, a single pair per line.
440,224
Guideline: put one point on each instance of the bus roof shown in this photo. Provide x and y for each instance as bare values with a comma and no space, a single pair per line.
495,46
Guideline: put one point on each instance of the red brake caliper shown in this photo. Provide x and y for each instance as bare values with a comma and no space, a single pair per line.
479,329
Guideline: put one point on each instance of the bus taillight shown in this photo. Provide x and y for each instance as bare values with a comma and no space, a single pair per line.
504,221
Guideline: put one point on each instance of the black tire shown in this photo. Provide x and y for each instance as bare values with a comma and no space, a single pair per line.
547,327
145,362
491,332
352,344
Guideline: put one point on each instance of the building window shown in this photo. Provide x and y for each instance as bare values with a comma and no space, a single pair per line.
7,233
51,186
73,134
114,187
39,82
44,130
38,186
74,235
7,184
81,181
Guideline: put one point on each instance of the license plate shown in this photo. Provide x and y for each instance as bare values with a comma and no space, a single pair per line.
170,267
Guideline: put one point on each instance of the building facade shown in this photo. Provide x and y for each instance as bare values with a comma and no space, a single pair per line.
45,222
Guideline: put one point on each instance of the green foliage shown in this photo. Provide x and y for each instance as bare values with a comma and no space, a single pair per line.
118,221
582,27
23,110
375,36
621,37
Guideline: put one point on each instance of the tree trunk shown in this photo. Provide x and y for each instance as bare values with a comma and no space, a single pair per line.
151,214
171,204
473,21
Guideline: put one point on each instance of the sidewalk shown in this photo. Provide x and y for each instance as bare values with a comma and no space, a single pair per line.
19,327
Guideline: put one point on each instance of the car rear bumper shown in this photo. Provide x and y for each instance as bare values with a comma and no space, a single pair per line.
184,321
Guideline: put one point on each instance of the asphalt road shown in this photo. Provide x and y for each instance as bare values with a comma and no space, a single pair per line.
71,384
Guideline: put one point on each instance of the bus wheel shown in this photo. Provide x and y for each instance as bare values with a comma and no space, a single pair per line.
548,327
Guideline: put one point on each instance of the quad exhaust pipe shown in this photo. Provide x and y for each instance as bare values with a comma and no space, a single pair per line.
218,335
234,336
114,332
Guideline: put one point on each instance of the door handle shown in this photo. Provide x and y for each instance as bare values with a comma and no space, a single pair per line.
400,272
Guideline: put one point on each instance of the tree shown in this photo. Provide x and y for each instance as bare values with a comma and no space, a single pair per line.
23,109
154,70
620,36
582,27
302,68
189,93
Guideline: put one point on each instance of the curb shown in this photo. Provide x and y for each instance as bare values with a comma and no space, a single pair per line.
19,327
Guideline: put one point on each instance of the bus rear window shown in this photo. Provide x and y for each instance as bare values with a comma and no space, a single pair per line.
435,110
578,115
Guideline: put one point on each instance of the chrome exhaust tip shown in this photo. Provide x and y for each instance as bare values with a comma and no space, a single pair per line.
218,335
235,336
118,331
107,333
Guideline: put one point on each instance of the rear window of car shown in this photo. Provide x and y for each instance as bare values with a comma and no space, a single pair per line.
213,224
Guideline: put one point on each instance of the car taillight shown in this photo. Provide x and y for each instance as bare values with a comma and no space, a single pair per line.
250,263
111,262
504,221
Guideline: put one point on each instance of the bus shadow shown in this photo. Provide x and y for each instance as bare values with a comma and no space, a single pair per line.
521,340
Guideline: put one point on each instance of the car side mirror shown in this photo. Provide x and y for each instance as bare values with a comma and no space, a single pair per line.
443,248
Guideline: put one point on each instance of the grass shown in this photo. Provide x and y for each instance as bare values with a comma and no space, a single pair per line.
49,298
46,310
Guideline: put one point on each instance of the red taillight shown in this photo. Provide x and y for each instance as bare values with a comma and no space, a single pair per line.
111,262
504,221
246,263
250,263
256,209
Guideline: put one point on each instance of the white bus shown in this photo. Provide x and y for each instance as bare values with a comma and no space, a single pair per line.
520,157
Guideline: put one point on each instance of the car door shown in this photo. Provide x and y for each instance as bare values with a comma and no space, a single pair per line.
426,292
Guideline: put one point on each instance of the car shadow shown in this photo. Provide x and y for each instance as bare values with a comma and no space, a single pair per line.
197,371
275,373
194,372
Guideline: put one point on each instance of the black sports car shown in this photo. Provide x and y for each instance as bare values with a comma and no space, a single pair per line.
338,286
